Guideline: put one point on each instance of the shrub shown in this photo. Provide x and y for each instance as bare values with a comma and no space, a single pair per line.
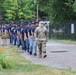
1,67
5,63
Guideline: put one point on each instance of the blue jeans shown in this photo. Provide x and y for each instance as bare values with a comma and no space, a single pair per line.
34,46
22,42
15,39
18,41
27,44
12,38
30,44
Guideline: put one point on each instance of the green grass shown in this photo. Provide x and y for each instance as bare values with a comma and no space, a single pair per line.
65,41
25,67
4,61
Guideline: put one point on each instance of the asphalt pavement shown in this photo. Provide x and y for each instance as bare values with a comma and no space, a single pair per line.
59,55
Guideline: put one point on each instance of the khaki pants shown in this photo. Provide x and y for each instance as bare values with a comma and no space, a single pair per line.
42,48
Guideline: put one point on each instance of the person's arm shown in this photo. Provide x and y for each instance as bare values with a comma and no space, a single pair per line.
36,33
19,34
25,36
33,33
28,33
46,34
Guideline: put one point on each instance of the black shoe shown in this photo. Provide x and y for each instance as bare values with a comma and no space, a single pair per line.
15,44
30,53
35,54
23,49
18,46
27,50
44,56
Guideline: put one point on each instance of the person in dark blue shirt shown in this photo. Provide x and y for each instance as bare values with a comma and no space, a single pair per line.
10,26
34,41
0,30
30,36
7,29
15,35
26,40
22,36
3,29
12,34
18,36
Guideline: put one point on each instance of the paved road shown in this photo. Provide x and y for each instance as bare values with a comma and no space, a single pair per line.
60,55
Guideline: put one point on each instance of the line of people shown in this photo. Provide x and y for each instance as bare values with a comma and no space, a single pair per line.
28,35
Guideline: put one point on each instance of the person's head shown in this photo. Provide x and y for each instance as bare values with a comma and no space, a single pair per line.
36,23
41,24
33,24
29,24
21,24
18,26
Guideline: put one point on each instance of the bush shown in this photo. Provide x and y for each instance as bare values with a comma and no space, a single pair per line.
5,36
1,67
5,63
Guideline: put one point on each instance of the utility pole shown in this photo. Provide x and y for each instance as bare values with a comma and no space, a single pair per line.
37,8
37,11
18,10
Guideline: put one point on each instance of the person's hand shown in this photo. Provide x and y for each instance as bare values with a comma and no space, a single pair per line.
36,38
25,38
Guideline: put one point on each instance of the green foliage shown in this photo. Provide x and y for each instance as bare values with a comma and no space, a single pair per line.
5,63
74,6
58,10
1,6
18,9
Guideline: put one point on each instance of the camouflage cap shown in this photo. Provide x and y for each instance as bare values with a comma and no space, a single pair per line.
41,22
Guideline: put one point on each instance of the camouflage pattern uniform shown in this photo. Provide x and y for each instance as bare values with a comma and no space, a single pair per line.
41,37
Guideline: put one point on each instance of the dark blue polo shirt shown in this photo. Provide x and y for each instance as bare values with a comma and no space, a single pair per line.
12,29
0,28
33,29
30,30
18,29
3,29
22,32
26,31
7,28
15,30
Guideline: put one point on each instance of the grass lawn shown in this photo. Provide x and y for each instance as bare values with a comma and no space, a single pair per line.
65,41
25,67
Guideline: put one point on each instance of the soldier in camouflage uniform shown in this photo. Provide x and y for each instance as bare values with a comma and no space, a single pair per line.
41,37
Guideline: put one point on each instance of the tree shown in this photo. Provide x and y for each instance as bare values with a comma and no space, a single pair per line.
1,8
58,10
74,6
18,9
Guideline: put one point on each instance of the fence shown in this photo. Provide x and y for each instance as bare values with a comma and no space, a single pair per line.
57,30
66,30
16,22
